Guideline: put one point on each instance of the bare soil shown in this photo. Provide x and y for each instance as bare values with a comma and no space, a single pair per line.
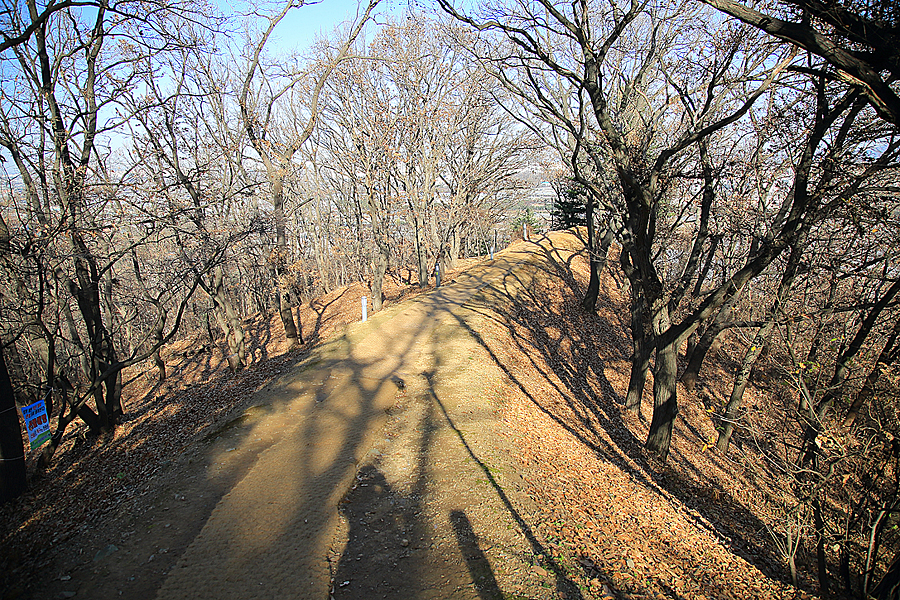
466,442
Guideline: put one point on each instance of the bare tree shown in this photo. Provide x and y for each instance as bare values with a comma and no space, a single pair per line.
860,39
417,139
69,217
278,121
581,45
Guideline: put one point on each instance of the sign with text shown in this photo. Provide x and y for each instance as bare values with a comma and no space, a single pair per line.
37,423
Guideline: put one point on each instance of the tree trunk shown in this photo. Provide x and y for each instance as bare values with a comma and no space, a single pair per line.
821,559
875,530
207,327
792,567
381,265
689,348
740,385
102,354
844,568
12,449
114,395
597,255
228,321
642,343
589,302
665,399
705,344
160,365
280,259
287,319
421,255
453,251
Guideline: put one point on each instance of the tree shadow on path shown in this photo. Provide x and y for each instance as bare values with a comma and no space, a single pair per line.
563,583
568,349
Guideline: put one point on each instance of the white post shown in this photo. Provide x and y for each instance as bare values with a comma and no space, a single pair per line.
524,231
364,309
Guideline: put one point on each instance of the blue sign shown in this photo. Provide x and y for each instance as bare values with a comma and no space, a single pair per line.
37,423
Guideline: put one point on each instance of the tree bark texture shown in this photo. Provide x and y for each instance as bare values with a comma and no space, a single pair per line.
665,399
382,255
228,321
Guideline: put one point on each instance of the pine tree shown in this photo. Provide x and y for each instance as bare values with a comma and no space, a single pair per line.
569,206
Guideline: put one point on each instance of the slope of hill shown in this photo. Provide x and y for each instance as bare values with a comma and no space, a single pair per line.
506,465
692,528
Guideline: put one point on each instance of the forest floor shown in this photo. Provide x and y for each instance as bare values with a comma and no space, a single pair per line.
465,442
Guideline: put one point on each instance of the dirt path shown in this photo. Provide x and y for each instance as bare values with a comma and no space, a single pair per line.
468,443
372,469
425,513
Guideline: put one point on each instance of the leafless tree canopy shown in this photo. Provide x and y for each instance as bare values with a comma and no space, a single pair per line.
169,171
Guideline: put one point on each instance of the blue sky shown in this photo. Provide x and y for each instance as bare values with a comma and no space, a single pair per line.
303,25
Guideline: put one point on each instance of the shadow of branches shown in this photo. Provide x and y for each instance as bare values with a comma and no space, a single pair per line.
575,355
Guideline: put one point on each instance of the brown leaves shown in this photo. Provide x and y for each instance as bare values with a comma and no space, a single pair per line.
626,527
93,476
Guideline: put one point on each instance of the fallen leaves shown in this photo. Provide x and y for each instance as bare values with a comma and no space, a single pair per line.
628,527
622,517
92,476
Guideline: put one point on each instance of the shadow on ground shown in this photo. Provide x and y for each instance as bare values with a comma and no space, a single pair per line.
574,353
254,512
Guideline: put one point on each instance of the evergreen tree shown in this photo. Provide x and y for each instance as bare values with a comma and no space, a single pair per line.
569,206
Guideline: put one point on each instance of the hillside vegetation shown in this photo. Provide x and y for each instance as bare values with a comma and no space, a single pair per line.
611,517
177,173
